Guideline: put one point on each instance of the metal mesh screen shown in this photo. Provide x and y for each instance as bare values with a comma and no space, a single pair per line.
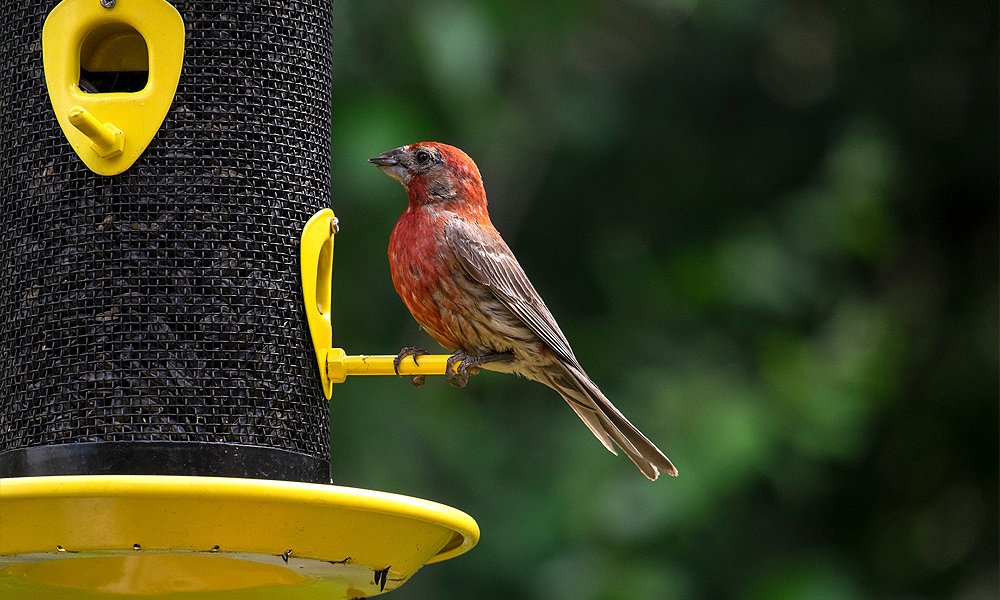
164,304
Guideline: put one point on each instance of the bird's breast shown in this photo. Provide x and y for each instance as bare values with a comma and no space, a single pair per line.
453,307
422,272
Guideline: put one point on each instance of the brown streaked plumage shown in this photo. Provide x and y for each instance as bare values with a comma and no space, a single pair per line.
463,285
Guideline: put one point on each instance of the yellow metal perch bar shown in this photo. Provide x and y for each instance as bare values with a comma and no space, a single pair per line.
340,365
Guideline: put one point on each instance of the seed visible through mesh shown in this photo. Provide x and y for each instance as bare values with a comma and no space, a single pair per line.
164,303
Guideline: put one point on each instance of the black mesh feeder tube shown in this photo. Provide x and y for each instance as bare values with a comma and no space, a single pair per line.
161,407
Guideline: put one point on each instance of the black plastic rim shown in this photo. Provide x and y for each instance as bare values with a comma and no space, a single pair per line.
164,458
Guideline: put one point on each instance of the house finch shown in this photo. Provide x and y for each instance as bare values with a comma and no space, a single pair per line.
463,285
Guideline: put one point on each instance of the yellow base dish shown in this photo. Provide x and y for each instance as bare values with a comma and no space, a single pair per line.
96,536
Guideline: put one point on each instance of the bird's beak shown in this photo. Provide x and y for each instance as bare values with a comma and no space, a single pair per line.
388,163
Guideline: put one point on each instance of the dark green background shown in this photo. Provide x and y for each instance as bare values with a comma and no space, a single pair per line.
769,230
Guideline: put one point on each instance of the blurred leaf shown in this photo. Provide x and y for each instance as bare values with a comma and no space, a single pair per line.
769,230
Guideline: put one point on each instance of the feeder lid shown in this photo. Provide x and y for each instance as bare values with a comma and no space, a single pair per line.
97,536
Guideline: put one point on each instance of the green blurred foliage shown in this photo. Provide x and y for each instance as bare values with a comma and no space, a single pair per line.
770,231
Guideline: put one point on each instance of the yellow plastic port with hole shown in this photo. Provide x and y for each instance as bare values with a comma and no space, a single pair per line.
334,364
111,73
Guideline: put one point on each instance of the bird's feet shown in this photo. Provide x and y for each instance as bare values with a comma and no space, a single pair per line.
468,364
413,351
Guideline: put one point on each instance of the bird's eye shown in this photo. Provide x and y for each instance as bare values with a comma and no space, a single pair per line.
423,157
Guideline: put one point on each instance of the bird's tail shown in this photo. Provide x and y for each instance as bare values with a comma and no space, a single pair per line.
606,422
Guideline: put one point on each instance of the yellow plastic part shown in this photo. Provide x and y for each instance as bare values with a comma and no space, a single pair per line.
105,139
109,131
215,538
339,365
316,260
316,263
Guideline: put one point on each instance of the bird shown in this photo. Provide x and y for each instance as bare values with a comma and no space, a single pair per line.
464,287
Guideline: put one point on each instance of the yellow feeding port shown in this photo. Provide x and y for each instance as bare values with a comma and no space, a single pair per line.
334,364
111,69
316,263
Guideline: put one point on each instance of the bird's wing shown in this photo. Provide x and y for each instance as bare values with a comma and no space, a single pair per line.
488,259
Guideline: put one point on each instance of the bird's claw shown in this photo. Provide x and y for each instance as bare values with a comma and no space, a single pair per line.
411,351
458,376
458,380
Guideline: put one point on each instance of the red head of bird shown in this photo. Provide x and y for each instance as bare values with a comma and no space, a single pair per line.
432,172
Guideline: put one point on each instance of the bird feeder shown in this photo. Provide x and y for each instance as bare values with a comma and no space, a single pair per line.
166,353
